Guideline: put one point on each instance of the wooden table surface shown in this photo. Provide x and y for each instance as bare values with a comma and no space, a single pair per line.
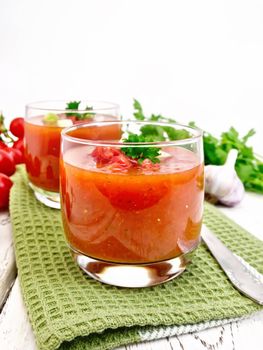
16,332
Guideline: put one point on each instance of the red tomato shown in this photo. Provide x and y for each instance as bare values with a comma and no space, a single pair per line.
104,155
5,185
113,158
2,145
19,144
120,163
17,155
134,196
7,164
17,127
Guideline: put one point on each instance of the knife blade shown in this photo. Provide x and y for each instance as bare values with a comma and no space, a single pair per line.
242,275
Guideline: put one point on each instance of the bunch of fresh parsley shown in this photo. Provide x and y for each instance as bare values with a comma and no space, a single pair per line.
249,168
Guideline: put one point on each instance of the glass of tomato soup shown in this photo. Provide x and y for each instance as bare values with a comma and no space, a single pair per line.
43,124
132,204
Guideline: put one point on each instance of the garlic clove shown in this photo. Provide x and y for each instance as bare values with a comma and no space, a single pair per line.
234,196
218,180
222,183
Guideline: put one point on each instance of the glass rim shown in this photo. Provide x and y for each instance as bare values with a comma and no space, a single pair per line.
107,143
105,105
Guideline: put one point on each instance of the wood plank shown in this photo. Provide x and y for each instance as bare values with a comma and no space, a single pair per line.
15,329
248,214
241,335
7,257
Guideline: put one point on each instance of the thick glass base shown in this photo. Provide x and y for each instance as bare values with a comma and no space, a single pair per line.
50,199
131,275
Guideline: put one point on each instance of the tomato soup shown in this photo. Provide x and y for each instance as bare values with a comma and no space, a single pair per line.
140,215
42,150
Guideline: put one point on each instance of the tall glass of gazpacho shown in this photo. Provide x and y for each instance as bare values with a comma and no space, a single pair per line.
43,124
132,205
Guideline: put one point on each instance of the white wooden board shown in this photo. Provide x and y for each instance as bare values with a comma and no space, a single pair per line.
7,257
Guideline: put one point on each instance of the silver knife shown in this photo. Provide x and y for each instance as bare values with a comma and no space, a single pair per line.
243,276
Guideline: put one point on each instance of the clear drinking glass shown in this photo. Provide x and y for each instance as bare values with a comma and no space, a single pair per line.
43,124
131,221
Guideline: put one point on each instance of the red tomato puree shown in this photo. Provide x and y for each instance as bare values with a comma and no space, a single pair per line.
133,216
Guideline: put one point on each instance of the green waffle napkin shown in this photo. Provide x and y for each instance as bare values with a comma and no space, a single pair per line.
69,310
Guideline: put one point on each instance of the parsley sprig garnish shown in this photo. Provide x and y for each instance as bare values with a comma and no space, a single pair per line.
158,133
141,153
74,105
151,133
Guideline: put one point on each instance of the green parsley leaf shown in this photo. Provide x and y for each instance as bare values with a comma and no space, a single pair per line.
155,132
138,113
250,133
214,154
2,126
141,153
160,118
158,133
74,105
90,114
176,134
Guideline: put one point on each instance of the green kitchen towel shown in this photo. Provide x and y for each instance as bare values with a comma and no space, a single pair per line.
69,310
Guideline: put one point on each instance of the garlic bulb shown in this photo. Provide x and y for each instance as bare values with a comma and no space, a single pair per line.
222,183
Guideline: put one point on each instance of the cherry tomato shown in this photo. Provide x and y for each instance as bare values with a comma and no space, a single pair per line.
7,164
17,127
19,144
17,155
5,185
2,145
